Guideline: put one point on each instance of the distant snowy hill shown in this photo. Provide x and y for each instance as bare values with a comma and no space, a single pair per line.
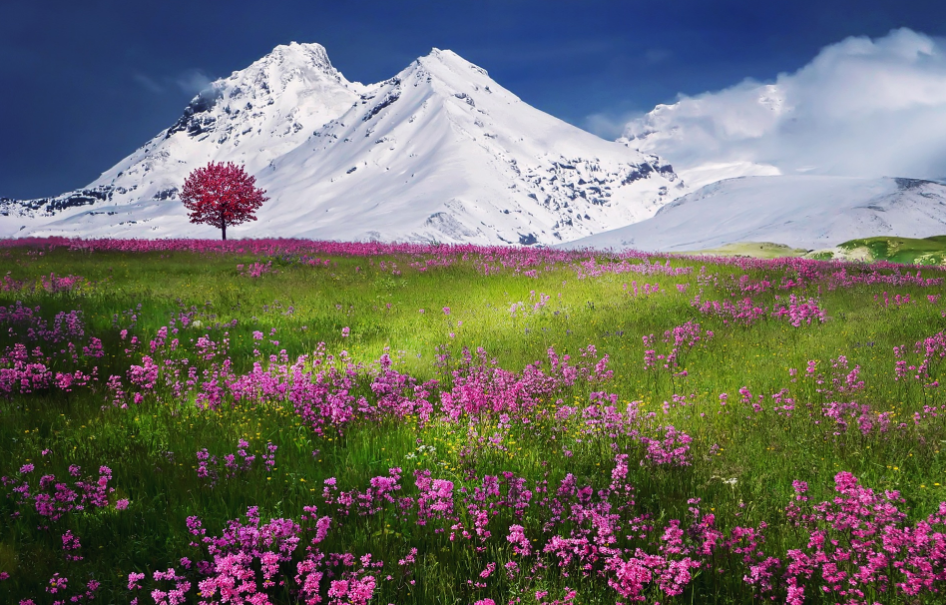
809,212
440,152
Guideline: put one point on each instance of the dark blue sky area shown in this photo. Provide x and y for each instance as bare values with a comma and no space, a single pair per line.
84,83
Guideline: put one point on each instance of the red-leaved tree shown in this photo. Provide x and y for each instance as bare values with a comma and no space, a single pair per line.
221,195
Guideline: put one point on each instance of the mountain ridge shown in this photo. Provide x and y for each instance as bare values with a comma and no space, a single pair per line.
439,152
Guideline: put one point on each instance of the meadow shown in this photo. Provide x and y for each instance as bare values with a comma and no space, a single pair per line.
280,421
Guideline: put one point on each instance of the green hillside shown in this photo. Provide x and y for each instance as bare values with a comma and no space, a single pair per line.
927,251
905,250
763,250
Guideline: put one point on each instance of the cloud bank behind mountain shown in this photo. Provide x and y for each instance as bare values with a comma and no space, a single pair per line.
862,107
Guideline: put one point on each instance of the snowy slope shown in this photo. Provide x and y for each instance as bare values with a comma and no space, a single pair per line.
252,117
810,212
440,152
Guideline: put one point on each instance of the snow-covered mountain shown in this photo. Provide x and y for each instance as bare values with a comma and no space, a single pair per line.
440,152
251,117
808,212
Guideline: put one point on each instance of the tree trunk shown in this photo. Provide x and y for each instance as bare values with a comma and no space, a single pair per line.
223,228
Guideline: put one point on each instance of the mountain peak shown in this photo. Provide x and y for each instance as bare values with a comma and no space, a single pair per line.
310,53
295,56
291,90
451,60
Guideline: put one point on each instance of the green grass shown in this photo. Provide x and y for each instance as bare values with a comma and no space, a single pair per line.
752,250
927,251
151,447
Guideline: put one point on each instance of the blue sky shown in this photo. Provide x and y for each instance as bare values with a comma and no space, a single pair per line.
85,83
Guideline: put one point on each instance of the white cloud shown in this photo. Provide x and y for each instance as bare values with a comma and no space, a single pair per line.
148,83
193,81
190,82
862,107
609,125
